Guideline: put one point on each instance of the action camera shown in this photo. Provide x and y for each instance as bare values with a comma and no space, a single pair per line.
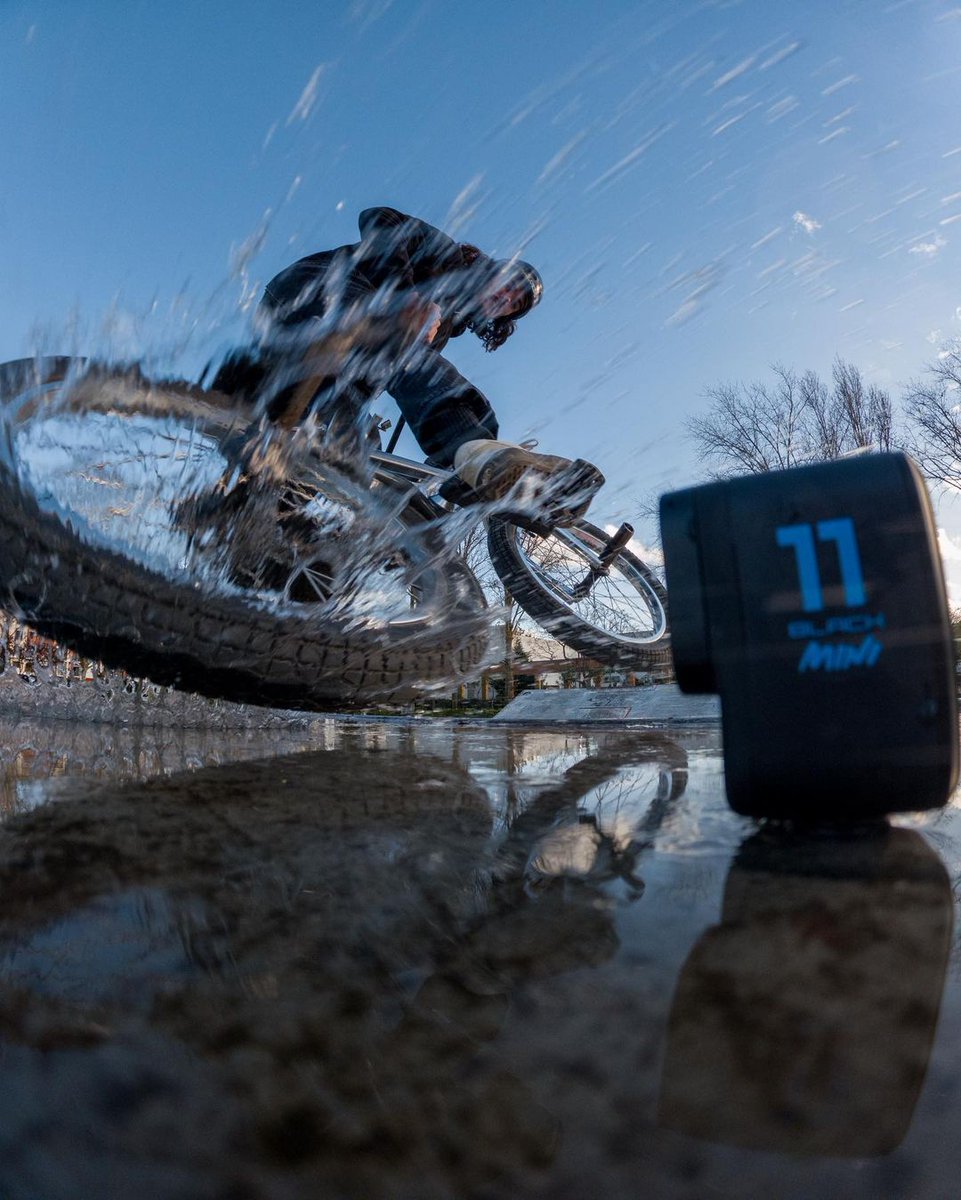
812,601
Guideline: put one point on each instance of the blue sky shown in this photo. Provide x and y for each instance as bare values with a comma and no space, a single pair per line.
707,186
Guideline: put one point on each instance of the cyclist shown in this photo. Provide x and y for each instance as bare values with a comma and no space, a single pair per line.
403,265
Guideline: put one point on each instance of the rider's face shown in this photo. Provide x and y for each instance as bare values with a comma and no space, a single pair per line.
505,302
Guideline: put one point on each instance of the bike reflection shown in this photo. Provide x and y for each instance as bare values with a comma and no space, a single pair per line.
804,1021
594,822
564,861
326,945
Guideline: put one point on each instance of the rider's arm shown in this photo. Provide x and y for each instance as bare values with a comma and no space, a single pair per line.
407,251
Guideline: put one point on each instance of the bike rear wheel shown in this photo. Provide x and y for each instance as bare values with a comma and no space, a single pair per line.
619,621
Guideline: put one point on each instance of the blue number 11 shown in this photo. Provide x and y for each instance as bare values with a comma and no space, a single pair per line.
801,539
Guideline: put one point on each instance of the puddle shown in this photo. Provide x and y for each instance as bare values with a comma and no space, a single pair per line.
431,959
118,950
41,760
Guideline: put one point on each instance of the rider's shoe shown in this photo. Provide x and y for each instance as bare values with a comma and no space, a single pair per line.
496,469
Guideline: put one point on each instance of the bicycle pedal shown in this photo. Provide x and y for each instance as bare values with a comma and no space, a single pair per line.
582,479
536,523
456,491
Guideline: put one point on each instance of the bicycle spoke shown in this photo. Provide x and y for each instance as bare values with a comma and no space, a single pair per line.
619,602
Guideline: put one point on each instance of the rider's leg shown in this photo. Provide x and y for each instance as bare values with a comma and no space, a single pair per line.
241,374
456,427
320,369
441,407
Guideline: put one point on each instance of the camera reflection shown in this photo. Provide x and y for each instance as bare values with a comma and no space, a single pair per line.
803,1022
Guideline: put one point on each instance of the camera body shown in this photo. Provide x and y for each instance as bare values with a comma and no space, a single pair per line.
812,600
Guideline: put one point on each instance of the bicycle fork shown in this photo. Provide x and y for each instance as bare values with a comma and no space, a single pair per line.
609,551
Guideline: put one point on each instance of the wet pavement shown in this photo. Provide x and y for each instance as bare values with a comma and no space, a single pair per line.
438,959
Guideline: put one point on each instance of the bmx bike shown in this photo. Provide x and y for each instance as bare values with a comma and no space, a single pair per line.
366,596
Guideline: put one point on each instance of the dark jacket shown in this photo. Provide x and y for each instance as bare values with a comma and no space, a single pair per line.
396,253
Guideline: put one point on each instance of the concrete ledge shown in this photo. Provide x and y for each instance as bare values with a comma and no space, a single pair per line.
663,703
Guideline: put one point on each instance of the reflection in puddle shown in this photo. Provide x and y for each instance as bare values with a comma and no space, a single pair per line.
803,1021
592,819
425,951
119,949
38,759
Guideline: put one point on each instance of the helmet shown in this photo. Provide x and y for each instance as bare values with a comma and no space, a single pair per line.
515,273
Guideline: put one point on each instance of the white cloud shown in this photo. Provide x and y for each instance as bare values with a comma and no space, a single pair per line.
950,548
652,556
929,249
805,222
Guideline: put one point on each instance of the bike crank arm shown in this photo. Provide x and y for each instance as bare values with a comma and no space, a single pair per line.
610,550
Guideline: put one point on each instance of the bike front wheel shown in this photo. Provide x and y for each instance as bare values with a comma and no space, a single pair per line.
94,470
615,615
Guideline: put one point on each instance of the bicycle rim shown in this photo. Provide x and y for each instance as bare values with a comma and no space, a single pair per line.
620,620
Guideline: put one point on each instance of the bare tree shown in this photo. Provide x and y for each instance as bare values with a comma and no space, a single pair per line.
798,419
862,415
933,405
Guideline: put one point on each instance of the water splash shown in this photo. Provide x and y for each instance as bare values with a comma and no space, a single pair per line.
198,489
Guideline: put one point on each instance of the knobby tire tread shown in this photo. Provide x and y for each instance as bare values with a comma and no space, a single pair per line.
110,607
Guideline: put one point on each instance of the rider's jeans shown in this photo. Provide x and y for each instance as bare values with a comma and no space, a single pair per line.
442,408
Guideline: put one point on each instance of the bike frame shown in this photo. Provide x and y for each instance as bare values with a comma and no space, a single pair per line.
430,479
